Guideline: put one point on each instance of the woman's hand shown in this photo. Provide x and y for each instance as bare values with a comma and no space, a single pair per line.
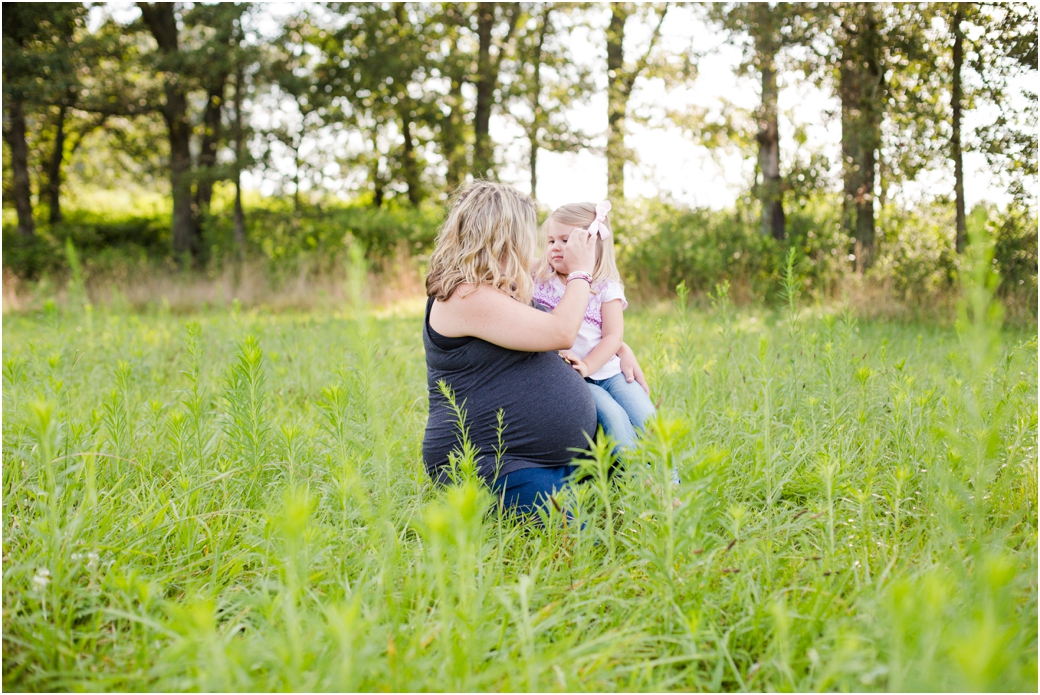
630,367
580,251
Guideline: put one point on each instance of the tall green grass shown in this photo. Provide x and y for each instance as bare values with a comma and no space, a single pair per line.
238,501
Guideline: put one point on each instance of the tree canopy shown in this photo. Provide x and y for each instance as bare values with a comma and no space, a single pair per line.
396,101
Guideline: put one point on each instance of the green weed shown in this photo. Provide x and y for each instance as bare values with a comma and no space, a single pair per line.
238,502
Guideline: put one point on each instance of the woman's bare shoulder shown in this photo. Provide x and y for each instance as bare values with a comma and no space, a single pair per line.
456,316
469,297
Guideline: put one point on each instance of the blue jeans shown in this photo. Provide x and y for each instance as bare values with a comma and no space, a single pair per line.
525,490
622,407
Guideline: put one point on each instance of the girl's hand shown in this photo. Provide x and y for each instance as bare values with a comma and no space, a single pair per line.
576,362
630,367
580,251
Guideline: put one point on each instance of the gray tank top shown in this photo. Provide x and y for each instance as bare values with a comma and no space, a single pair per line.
547,406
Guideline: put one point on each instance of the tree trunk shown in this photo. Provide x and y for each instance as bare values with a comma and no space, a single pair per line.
378,180
617,101
408,163
485,84
533,162
451,132
405,110
486,81
240,217
54,168
958,157
451,137
163,24
770,192
859,83
185,234
15,136
297,144
536,100
211,123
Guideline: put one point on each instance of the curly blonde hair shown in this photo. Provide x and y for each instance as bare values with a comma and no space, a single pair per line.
580,215
489,238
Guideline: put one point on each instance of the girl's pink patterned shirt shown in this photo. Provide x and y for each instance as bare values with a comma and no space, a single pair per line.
549,293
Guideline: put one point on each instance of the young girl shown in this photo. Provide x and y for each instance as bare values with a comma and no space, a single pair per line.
622,407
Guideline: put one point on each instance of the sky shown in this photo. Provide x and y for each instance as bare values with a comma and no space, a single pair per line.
671,165
668,163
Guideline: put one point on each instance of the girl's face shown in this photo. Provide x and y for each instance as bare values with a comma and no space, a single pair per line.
558,235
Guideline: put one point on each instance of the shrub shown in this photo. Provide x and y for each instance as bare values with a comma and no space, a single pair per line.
101,239
319,237
915,250
1015,249
660,245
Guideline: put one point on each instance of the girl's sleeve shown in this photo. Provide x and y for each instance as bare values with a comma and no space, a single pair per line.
613,291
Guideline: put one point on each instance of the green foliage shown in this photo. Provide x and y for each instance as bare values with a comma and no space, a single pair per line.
111,244
917,254
1015,249
102,239
660,246
238,502
916,250
323,235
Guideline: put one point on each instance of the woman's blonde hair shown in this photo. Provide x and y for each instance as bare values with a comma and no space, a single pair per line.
581,215
489,238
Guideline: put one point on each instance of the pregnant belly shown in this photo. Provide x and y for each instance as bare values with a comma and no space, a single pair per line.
546,411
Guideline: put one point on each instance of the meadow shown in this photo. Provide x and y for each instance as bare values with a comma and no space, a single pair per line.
235,500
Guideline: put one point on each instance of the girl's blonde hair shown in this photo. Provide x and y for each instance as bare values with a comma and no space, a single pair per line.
581,215
489,238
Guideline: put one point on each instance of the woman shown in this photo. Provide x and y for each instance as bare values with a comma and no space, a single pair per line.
497,353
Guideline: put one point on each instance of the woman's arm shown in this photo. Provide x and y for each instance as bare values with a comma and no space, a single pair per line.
490,315
613,333
493,316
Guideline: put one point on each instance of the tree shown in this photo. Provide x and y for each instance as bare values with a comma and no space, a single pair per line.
63,84
238,131
222,34
34,66
547,81
372,67
1004,56
292,71
486,78
940,62
621,78
768,27
162,22
860,89
767,45
453,67
956,104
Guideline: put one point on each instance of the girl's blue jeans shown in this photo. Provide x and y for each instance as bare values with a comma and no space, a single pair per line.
622,408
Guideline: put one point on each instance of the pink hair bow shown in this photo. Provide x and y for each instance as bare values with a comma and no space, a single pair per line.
599,225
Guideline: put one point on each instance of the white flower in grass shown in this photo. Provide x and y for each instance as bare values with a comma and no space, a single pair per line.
91,558
42,577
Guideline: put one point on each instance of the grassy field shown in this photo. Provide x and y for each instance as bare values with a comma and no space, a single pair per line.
236,501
